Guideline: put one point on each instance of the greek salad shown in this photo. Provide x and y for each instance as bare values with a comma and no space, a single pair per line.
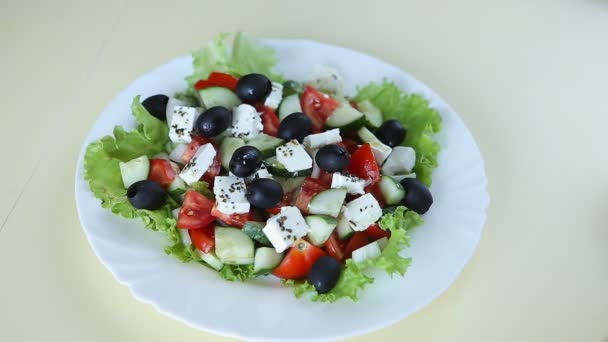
251,174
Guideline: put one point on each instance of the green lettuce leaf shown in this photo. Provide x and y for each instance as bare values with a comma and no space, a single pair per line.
420,120
353,279
203,188
237,272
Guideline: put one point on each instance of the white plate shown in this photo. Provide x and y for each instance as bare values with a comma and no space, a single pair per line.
263,309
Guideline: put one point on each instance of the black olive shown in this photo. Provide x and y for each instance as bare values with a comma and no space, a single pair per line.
332,158
391,133
324,273
264,193
253,88
146,194
295,126
417,196
156,105
245,161
214,121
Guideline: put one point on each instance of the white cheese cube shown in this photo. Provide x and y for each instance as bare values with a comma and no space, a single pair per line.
326,79
276,95
352,184
362,212
380,151
230,194
262,172
285,228
198,165
182,123
321,139
246,122
293,156
400,161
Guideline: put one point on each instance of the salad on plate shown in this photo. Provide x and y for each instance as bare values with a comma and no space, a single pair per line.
251,174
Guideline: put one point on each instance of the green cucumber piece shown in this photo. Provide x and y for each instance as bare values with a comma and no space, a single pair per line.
266,144
399,178
227,148
233,246
290,184
367,252
277,169
218,96
327,202
346,118
321,227
401,161
343,228
392,191
373,115
366,135
211,259
266,260
254,230
289,105
134,170
292,87
177,185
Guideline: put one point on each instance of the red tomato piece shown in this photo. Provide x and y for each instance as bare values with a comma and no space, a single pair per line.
358,240
374,189
195,212
349,144
309,189
204,238
374,232
298,261
363,164
333,246
287,198
217,79
325,178
197,141
161,172
317,106
270,121
214,169
235,220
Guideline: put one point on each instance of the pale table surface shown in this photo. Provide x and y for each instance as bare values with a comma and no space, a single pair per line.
529,78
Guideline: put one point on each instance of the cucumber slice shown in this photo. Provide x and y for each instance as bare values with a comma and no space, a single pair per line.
211,259
392,191
277,169
366,135
346,118
254,230
399,178
292,87
227,148
233,246
266,260
343,228
373,115
177,153
220,137
327,202
289,105
218,96
170,106
134,170
178,184
266,144
401,161
367,252
290,184
321,227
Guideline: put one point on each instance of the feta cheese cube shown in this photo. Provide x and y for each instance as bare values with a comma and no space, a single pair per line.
276,95
262,172
285,228
198,165
327,79
352,184
230,194
321,139
246,122
362,212
293,156
182,123
400,161
380,151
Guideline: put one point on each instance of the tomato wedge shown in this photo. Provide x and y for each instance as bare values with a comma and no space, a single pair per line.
287,198
374,232
214,169
235,220
363,164
204,238
349,144
197,141
270,121
217,79
195,212
161,172
309,189
333,246
298,261
358,240
325,178
317,106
